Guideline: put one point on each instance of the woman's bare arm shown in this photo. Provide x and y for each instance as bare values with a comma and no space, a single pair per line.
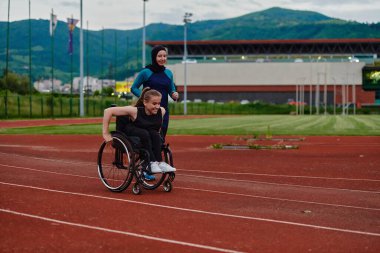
163,111
130,111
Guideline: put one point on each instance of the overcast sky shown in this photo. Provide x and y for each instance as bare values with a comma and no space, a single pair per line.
128,14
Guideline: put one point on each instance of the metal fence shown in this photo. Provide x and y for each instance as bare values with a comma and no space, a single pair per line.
15,106
51,107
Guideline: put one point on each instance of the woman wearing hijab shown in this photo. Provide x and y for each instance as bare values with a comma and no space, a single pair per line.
157,77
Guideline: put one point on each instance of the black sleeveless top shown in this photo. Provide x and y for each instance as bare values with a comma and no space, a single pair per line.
150,122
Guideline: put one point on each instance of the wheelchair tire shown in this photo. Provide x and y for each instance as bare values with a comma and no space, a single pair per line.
167,155
167,186
171,176
168,158
160,178
148,184
136,189
114,163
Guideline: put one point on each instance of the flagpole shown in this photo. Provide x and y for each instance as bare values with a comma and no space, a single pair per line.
102,65
71,88
81,60
6,65
143,36
30,63
115,63
71,68
87,70
52,65
126,52
115,59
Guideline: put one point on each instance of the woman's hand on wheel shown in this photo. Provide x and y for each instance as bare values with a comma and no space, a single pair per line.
107,137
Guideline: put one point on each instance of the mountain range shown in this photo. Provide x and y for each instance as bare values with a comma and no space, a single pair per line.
116,54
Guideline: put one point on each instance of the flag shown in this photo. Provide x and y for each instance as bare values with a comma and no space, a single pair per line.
71,23
53,23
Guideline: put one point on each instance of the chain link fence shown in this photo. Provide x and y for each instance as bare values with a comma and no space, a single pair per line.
53,106
17,106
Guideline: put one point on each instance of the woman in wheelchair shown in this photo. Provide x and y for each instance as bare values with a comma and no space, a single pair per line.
145,122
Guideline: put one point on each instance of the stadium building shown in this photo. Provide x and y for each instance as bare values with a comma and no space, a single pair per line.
323,71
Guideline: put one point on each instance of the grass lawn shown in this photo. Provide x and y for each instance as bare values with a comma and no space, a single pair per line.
362,125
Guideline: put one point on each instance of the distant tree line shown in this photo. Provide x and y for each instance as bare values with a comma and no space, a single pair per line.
19,84
16,83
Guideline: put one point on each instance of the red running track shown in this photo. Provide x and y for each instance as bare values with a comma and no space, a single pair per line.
323,197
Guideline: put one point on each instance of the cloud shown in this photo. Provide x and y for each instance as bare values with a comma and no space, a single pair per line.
128,14
75,4
334,2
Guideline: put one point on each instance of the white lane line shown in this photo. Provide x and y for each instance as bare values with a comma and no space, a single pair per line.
236,180
204,190
279,199
51,160
49,172
193,245
215,172
199,211
269,183
282,175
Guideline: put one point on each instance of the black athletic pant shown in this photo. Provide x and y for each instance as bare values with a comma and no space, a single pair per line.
150,140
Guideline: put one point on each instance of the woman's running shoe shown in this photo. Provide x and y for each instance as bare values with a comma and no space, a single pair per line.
166,167
155,168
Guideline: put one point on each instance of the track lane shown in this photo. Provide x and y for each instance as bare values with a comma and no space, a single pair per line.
190,191
266,208
211,227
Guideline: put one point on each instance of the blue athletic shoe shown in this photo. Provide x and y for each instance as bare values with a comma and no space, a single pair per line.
149,177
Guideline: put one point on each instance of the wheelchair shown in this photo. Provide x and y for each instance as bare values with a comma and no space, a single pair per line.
123,161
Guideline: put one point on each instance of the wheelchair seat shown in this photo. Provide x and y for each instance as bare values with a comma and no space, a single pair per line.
121,123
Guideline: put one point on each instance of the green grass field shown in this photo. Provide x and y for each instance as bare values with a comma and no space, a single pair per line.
361,125
279,125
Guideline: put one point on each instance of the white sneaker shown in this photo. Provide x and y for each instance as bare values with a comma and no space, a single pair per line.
155,168
166,167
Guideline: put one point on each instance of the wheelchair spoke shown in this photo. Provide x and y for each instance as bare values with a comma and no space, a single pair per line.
113,165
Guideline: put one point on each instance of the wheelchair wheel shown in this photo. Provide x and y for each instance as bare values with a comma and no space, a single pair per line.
114,162
149,183
167,155
160,177
167,186
168,158
136,189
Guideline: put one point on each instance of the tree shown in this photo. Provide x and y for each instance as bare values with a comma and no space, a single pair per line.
107,91
15,83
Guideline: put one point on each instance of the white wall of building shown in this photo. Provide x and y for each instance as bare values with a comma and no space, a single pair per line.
268,73
45,85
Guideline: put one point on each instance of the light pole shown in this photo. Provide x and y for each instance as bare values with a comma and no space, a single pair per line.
30,62
6,64
81,95
186,20
143,35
